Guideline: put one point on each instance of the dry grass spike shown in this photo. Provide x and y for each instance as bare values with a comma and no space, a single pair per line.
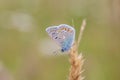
76,60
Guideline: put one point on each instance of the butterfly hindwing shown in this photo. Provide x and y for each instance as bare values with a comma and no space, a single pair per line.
69,33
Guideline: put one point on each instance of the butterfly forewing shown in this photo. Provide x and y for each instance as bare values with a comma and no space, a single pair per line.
67,30
52,32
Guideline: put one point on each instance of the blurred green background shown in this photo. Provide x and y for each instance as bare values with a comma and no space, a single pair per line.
26,49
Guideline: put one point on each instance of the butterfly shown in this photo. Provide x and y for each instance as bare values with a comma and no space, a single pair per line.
63,34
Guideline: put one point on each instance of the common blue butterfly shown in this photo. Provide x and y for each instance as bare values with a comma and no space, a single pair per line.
63,34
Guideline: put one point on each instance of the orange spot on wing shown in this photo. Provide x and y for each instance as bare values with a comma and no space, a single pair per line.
71,31
68,30
62,28
65,29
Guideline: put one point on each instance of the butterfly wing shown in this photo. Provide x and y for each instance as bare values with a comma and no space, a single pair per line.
69,35
53,33
67,31
63,34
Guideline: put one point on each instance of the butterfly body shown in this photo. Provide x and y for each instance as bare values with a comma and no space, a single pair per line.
63,34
